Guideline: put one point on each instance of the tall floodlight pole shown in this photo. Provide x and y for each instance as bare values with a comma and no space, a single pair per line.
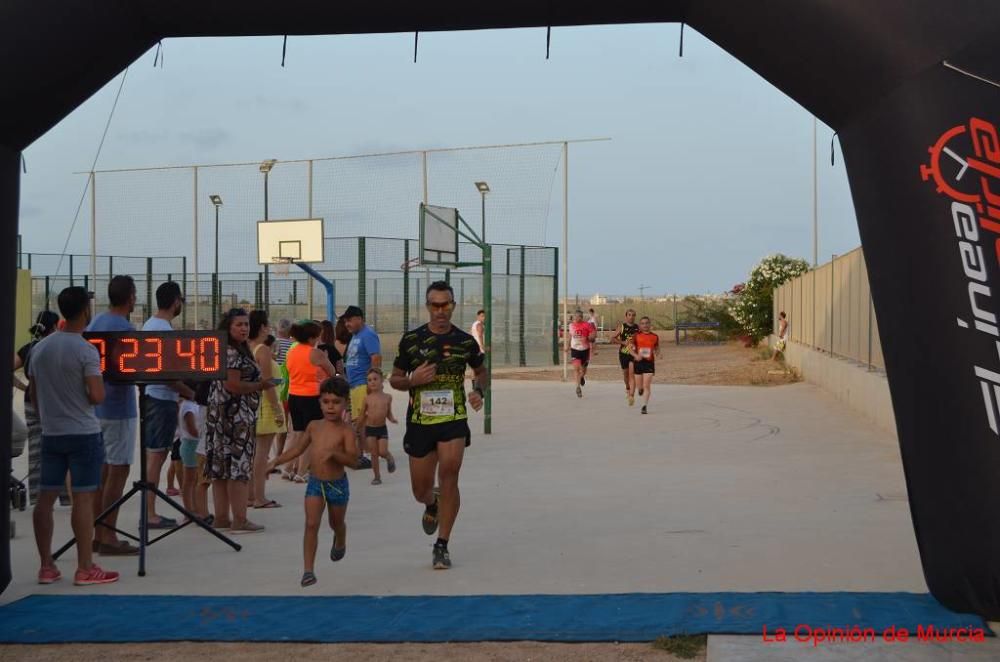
815,201
216,285
265,168
565,262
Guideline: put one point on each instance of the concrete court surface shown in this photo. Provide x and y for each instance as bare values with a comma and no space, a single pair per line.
717,489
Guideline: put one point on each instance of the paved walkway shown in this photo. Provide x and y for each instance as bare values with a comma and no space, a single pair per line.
717,489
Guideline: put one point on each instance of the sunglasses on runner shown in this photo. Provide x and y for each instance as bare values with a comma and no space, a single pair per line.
448,305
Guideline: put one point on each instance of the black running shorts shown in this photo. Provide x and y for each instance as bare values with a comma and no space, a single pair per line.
624,360
303,409
645,367
581,355
420,440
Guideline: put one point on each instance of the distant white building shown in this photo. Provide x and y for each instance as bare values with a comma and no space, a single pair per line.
598,300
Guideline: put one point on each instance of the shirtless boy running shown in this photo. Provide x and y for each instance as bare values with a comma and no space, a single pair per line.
376,410
334,448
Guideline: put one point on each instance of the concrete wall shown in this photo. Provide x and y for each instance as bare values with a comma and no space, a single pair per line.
866,391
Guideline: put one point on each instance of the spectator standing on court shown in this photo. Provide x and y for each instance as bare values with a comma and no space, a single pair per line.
363,353
230,427
45,326
119,417
478,329
66,383
282,341
161,402
328,343
271,416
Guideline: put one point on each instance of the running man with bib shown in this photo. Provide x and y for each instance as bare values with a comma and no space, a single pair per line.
581,341
645,350
431,365
623,338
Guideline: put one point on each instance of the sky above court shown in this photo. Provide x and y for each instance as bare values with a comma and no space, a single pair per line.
709,167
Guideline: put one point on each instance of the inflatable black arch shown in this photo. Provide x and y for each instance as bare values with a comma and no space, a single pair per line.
911,86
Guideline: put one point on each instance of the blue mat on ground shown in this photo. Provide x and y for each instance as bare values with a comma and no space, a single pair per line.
619,617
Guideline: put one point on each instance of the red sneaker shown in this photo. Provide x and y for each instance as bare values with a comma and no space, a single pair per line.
49,575
94,576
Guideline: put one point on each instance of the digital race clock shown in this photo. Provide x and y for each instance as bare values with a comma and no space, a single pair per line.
160,356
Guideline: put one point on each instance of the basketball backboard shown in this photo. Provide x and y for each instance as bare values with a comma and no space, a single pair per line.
438,235
295,240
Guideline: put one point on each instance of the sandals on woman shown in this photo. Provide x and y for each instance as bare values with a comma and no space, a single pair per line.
270,503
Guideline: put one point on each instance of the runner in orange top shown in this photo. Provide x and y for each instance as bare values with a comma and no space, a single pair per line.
581,339
645,349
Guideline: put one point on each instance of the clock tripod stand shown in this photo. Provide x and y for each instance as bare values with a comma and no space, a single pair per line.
147,490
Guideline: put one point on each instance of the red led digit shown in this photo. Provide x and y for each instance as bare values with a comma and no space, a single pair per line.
205,365
128,355
157,354
101,349
187,353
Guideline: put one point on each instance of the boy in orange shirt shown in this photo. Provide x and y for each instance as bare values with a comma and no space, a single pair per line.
645,350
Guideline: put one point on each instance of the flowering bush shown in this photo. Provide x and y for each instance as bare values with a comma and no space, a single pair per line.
754,300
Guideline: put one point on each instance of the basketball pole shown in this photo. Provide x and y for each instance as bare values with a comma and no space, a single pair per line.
565,260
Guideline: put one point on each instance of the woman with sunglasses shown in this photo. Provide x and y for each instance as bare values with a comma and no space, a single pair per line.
230,441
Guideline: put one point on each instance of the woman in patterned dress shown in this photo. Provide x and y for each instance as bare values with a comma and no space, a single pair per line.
230,427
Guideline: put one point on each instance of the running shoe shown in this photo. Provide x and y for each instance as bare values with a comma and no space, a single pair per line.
94,576
583,381
308,579
376,481
644,410
364,462
430,516
337,553
579,391
390,463
442,560
49,575
631,400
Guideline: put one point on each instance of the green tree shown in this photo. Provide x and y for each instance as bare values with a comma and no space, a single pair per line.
753,308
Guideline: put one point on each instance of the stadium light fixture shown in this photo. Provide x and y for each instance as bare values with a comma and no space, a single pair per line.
483,189
216,200
266,166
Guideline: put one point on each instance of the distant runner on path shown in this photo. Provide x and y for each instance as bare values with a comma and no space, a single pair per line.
645,351
581,339
623,338
431,365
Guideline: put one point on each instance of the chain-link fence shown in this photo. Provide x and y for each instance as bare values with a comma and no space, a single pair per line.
365,271
830,309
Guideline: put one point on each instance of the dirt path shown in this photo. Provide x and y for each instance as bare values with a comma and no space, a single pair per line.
478,652
729,364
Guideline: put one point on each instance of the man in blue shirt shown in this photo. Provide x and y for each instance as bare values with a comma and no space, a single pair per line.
119,418
363,353
162,402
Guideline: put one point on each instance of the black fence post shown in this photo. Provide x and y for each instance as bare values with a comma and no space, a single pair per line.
555,306
149,287
184,289
362,277
406,285
48,292
520,322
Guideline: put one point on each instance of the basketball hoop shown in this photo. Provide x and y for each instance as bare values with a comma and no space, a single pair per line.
281,265
410,264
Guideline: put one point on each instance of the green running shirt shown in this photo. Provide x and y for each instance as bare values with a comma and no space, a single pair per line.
443,400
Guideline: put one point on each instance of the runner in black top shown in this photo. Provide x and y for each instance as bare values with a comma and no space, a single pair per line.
622,337
431,365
